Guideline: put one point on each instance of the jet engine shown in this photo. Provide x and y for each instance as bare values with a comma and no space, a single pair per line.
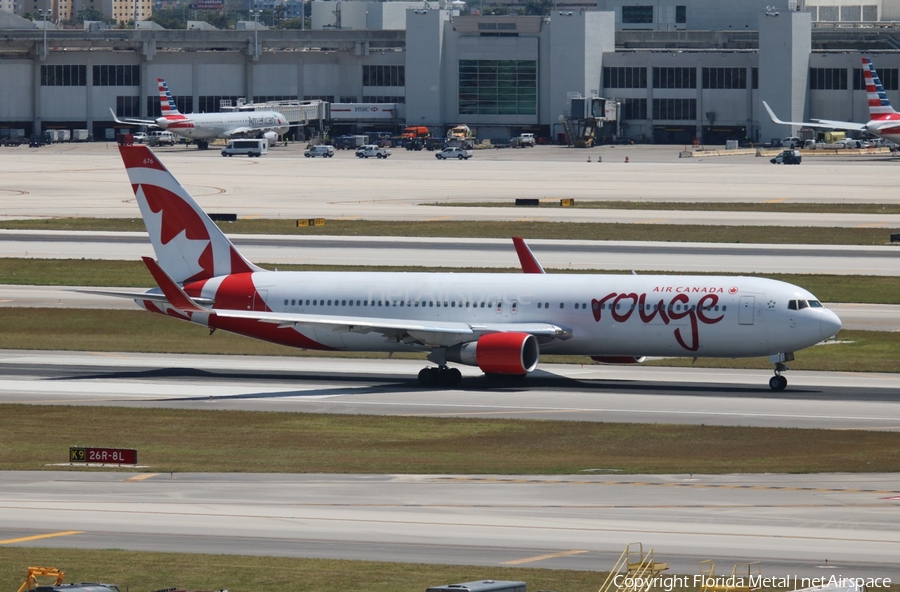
498,353
271,136
619,359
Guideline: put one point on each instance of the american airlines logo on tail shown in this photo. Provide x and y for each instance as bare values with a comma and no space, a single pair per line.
167,105
879,105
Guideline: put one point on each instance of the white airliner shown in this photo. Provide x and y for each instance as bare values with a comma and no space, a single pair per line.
884,122
498,322
202,127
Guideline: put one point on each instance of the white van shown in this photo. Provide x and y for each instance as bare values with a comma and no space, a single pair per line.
255,147
162,138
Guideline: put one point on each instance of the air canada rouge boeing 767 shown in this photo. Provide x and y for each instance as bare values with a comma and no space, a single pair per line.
498,322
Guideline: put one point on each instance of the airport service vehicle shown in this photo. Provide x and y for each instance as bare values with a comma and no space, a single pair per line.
792,142
162,139
500,323
787,157
323,150
140,138
203,127
525,140
415,132
251,148
884,122
371,150
454,152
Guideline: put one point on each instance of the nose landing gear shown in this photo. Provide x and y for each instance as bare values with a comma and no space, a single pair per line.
778,382
440,376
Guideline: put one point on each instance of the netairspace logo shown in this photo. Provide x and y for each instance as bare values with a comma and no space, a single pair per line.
670,583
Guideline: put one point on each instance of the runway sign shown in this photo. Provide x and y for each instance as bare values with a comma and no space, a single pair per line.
120,456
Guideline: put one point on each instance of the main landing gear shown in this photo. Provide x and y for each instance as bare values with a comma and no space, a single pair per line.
202,144
778,382
440,376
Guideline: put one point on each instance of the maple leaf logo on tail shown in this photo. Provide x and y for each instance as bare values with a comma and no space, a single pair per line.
188,244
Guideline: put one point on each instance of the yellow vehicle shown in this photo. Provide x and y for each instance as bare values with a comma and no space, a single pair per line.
31,582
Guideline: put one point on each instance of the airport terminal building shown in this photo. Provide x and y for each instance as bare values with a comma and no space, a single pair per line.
679,69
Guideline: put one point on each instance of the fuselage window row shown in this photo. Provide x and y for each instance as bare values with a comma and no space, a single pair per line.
792,305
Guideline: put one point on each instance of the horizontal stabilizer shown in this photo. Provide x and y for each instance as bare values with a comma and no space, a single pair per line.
152,296
174,294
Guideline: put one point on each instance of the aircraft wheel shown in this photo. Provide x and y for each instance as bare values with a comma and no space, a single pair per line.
428,376
450,376
778,383
202,145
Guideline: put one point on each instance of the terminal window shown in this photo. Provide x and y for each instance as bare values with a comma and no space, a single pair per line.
674,78
117,75
724,78
827,79
497,87
888,77
184,104
128,106
624,77
637,14
384,76
675,109
213,103
66,75
634,109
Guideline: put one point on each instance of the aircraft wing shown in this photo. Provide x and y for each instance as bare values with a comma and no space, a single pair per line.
820,123
428,333
131,121
247,129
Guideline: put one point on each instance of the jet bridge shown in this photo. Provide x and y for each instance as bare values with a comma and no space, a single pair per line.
587,119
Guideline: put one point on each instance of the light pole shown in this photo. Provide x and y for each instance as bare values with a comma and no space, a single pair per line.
44,14
255,15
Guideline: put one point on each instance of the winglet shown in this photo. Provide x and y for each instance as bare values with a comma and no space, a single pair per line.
772,115
526,258
174,294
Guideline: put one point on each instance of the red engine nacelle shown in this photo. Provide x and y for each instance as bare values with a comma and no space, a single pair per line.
618,359
498,353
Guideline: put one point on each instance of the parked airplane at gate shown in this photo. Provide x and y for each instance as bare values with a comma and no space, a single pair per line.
884,122
498,322
202,127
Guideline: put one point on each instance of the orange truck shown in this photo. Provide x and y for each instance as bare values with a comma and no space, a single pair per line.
415,132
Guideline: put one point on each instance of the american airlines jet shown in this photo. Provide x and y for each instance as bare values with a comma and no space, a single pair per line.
202,127
884,122
501,323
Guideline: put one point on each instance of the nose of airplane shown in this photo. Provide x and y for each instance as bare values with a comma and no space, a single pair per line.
829,324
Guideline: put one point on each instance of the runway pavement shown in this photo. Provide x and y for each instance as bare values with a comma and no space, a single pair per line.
639,394
456,252
844,525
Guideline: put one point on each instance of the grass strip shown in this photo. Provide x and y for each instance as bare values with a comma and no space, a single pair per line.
493,229
774,207
283,442
145,571
140,331
133,274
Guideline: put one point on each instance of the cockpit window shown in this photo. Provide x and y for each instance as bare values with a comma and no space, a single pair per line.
801,304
